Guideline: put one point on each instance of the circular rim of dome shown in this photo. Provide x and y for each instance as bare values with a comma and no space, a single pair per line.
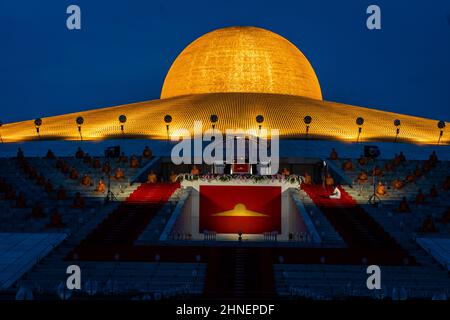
241,60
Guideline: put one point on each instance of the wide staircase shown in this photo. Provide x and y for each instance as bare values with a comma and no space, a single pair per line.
239,273
350,220
124,225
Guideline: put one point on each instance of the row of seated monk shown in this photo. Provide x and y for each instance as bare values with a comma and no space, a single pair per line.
21,201
147,153
47,184
393,163
106,166
429,225
37,211
152,177
396,161
95,163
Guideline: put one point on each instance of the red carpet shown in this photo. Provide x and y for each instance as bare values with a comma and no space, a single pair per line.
124,225
350,220
153,193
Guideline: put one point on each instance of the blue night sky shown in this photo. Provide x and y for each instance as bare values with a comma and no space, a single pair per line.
125,48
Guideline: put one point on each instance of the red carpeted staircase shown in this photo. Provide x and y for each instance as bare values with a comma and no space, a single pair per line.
124,225
350,220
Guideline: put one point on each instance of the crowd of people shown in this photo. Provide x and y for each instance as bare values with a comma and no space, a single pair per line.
421,198
118,173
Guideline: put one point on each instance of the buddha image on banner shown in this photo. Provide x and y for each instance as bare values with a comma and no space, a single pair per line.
246,209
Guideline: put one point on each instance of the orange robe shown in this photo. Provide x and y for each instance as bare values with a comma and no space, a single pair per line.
101,186
152,178
381,190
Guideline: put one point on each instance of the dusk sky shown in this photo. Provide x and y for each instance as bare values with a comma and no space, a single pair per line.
125,48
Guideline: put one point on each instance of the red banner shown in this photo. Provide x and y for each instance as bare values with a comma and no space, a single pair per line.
249,209
241,168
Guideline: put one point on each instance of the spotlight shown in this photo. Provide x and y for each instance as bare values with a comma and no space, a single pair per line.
307,120
38,124
441,126
167,120
397,123
259,120
1,138
359,122
122,120
80,121
214,118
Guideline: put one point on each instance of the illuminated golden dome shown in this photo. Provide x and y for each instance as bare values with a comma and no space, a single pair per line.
241,59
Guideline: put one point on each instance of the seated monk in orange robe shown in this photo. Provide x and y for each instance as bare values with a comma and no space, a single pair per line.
381,189
362,160
347,165
363,177
428,225
397,184
389,166
418,172
86,180
79,154
329,181
195,171
377,172
433,159
333,154
56,219
152,178
106,168
37,211
446,184
50,154
403,206
134,162
285,172
96,164
48,187
410,178
78,201
446,216
87,159
118,174
73,174
147,153
123,158
173,177
40,180
433,192
101,187
61,195
308,178
420,198
21,201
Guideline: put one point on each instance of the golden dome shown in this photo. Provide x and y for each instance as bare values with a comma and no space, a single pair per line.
241,59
